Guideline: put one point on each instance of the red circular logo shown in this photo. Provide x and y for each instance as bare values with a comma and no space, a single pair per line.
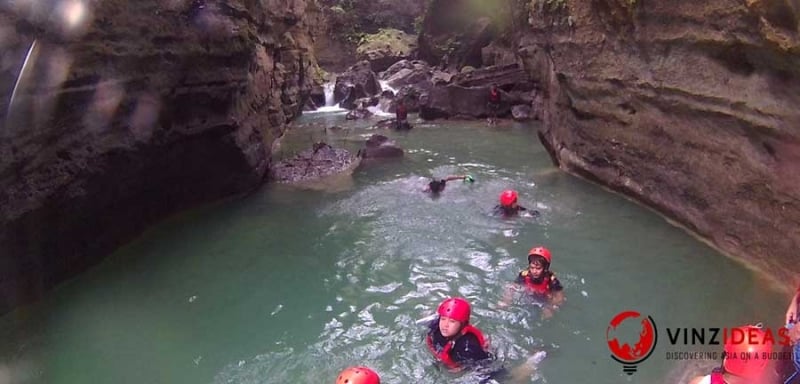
645,346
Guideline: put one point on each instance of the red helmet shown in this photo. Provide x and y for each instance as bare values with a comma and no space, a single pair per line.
540,251
753,343
455,308
508,197
358,375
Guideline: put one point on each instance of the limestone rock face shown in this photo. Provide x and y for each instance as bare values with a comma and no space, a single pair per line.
357,82
127,111
696,117
458,33
468,95
386,47
341,25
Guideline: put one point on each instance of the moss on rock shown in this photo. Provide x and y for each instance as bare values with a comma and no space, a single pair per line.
387,42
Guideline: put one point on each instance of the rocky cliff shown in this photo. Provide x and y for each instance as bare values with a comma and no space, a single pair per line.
688,107
341,26
127,111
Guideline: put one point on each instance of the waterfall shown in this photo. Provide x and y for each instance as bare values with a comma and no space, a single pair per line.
329,94
330,106
385,86
378,109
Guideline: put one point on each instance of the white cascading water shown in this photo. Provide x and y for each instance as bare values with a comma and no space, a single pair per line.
376,110
329,102
329,94
385,86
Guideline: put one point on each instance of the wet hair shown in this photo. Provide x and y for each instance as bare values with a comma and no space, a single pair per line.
436,186
539,260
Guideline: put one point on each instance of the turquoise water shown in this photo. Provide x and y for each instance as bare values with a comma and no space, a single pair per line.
291,285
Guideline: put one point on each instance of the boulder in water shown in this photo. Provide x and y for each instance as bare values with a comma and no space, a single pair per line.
380,147
521,112
358,113
386,47
357,82
320,161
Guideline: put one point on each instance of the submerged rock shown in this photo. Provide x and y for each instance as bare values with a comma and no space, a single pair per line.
379,146
358,113
320,161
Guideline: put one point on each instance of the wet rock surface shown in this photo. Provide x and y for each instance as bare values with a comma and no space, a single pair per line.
521,112
698,120
468,94
320,161
380,147
386,47
147,108
357,114
357,82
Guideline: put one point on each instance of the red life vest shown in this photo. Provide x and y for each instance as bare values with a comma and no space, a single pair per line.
542,288
444,354
401,112
716,376
494,96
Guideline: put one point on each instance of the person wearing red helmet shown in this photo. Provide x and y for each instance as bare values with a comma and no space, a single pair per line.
738,370
358,375
452,339
509,206
540,281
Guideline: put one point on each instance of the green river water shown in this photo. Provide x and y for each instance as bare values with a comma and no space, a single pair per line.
291,285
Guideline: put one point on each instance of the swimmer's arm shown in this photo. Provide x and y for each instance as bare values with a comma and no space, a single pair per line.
557,299
508,295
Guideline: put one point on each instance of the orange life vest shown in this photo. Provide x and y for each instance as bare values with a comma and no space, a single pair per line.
444,354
